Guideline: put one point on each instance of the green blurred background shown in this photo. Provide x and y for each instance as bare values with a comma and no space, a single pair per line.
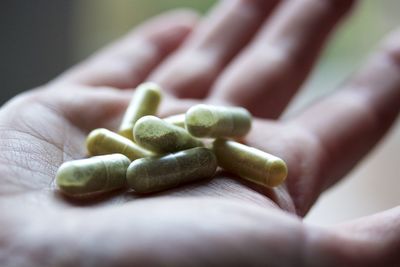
39,39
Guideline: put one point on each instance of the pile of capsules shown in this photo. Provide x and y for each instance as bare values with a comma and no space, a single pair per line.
150,154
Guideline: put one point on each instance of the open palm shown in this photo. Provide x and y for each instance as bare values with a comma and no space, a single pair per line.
233,57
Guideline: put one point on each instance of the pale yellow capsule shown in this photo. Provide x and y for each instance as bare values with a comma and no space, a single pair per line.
102,141
177,120
145,101
161,137
213,121
250,163
93,175
160,173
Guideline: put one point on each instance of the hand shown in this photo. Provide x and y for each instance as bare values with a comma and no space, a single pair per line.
234,56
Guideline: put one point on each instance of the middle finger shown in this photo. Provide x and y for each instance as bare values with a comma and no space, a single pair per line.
265,76
190,72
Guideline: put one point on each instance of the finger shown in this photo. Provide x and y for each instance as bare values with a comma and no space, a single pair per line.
191,71
128,62
349,123
89,109
84,108
271,69
369,241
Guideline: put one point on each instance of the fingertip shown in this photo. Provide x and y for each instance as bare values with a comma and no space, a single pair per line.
182,19
186,15
168,30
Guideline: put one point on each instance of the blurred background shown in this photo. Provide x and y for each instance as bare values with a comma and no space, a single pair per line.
39,39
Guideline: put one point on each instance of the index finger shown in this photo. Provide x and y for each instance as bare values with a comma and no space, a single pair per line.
127,62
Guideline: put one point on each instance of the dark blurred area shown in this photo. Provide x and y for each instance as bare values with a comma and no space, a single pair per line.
35,43
40,39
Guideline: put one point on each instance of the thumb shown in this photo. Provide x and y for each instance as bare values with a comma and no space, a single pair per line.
369,241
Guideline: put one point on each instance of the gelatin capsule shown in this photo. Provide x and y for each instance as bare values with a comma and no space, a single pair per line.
160,173
177,120
213,121
93,175
102,141
250,163
159,136
145,101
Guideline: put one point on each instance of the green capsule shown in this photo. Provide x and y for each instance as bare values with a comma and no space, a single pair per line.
102,142
250,163
93,175
155,174
145,101
159,136
177,120
212,121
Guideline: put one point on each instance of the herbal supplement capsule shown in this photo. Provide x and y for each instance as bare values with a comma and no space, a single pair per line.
144,102
177,120
212,121
155,174
102,141
93,175
250,163
159,136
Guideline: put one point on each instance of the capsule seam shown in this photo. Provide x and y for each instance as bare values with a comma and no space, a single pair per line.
147,178
232,123
108,175
124,150
268,172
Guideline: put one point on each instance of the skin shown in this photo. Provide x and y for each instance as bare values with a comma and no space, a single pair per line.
239,54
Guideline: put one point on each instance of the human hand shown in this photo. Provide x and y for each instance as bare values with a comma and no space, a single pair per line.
224,221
